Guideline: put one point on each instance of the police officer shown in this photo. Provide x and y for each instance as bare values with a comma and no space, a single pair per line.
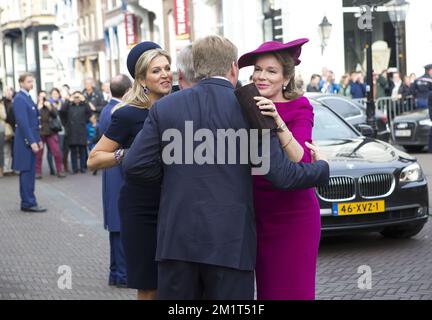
27,143
423,88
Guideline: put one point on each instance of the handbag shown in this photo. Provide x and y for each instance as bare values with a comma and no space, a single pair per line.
55,124
245,96
9,133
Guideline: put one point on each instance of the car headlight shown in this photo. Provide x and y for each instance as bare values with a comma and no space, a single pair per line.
411,173
426,122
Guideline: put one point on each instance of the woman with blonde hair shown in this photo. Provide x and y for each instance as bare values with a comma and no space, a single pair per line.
138,203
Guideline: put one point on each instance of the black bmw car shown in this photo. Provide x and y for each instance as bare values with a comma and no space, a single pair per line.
373,186
354,113
411,130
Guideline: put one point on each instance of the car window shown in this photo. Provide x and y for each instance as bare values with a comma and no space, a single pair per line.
343,107
328,126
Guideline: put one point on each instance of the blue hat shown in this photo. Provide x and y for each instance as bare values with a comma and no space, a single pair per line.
137,52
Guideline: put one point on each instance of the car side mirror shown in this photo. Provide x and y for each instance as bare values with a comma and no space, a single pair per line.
366,130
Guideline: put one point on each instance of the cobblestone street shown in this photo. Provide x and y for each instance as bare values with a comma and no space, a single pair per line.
34,246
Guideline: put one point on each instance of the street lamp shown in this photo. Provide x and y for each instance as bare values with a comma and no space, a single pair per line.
397,11
325,28
367,11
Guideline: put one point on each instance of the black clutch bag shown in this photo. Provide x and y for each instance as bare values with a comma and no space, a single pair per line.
245,96
55,124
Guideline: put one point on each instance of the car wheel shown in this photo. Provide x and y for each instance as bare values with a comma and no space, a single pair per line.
413,148
402,232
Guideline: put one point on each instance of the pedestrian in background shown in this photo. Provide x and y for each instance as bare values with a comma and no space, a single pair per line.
27,143
93,96
112,182
65,95
92,132
400,90
41,99
422,88
358,88
9,94
106,92
330,86
56,101
75,113
408,85
314,84
49,136
345,87
3,117
93,135
380,84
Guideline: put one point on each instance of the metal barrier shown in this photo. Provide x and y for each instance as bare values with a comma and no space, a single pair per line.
393,108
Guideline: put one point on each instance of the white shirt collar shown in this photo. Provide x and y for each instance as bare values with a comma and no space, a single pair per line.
26,92
218,77
116,100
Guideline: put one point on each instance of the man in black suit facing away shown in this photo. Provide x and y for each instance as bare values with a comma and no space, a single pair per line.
206,231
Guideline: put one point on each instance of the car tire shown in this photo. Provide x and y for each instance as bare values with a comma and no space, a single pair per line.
413,148
402,232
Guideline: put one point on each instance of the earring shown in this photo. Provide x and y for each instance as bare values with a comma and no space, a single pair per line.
284,88
146,90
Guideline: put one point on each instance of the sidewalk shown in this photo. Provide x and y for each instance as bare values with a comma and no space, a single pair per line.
34,246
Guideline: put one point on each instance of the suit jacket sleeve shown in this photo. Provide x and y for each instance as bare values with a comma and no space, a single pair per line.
142,162
22,120
285,174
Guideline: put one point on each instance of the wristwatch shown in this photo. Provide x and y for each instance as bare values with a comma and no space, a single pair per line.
282,128
119,155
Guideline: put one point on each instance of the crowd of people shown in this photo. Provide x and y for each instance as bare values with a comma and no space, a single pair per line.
69,127
388,83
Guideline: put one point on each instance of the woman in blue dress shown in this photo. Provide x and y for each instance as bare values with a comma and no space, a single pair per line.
138,203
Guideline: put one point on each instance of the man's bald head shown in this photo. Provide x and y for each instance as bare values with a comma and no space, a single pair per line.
119,85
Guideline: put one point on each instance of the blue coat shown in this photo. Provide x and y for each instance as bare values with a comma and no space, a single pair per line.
112,179
206,212
358,90
27,131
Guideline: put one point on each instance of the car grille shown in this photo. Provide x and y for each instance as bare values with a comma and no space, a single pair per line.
339,188
344,188
376,185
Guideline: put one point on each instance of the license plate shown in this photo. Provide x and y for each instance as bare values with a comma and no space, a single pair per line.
403,133
355,208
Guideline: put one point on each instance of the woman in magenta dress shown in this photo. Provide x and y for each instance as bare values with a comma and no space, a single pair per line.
288,222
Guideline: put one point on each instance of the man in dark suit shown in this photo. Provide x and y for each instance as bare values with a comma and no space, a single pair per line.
93,96
112,181
27,143
206,230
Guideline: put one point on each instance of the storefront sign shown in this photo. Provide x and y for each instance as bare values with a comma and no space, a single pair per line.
181,19
131,29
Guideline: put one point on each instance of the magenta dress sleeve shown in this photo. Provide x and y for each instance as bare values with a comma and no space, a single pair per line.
301,126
